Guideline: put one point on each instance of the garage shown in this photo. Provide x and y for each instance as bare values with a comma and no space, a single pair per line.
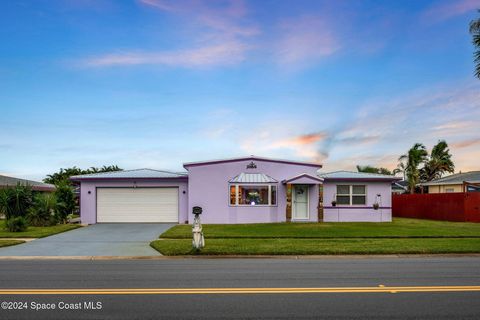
137,205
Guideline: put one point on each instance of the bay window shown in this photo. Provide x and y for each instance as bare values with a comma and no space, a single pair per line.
253,195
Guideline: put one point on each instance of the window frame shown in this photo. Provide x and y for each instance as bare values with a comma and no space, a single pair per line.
237,195
351,195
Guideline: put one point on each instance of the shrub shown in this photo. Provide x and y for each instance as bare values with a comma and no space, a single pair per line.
16,224
65,201
15,202
42,213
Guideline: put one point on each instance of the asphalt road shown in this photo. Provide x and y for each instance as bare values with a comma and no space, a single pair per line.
245,273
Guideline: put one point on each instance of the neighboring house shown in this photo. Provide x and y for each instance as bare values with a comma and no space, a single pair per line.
240,190
10,182
459,182
400,187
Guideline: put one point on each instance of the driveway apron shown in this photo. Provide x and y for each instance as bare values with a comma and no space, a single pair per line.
108,239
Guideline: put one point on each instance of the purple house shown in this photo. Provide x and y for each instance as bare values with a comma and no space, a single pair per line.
240,190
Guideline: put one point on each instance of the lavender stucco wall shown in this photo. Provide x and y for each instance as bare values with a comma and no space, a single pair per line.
359,213
88,202
209,189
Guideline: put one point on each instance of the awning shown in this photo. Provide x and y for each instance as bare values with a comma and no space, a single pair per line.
253,178
303,178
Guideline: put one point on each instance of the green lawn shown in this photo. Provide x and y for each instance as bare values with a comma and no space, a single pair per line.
36,232
400,236
318,246
6,243
399,228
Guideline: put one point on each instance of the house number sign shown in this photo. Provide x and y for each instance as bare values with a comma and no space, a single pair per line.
251,165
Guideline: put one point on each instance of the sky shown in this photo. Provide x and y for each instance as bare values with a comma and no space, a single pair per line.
156,83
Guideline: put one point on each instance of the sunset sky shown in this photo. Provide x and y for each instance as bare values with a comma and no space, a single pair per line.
155,83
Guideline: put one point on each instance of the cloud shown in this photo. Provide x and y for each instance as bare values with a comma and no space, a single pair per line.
222,54
445,10
300,141
226,17
220,37
465,143
305,40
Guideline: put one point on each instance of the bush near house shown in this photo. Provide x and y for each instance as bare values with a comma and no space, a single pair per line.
42,213
16,224
65,201
14,204
22,207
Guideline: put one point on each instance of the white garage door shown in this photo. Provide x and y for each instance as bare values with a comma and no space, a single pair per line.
137,205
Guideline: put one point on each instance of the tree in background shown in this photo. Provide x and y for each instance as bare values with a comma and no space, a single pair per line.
415,157
438,163
370,169
63,175
475,31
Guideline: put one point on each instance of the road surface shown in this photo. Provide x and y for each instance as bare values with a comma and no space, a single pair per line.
340,288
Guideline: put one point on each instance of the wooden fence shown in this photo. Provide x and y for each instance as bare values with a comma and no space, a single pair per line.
457,206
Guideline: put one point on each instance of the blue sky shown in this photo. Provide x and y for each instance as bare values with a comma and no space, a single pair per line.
154,83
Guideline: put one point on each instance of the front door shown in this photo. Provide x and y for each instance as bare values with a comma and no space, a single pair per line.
300,202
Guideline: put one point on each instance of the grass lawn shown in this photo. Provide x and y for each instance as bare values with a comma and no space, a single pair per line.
399,228
36,232
297,246
6,243
400,236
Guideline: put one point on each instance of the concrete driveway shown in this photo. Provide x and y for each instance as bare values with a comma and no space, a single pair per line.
109,239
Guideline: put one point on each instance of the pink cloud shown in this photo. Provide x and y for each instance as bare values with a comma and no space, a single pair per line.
466,143
449,9
301,141
306,39
222,54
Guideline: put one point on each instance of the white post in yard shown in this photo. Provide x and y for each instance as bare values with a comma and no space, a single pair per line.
197,231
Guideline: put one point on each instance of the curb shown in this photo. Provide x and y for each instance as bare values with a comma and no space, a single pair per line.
209,257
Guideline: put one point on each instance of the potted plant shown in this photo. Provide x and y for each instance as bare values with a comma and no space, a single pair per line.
376,206
334,203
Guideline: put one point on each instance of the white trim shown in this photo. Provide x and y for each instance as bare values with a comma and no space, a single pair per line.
294,206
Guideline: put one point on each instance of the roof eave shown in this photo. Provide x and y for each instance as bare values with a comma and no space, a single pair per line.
205,163
127,178
363,179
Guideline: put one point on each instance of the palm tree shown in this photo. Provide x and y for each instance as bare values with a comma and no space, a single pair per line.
439,162
475,31
401,168
414,158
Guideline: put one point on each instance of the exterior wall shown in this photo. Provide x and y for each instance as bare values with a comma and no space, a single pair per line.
443,188
359,213
209,189
88,202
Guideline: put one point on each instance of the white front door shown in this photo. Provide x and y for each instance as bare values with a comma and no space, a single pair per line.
300,202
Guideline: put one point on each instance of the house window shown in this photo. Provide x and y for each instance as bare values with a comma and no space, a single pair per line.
351,195
253,195
448,190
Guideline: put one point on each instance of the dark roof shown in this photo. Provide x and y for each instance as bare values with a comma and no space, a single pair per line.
209,162
457,178
132,174
6,182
